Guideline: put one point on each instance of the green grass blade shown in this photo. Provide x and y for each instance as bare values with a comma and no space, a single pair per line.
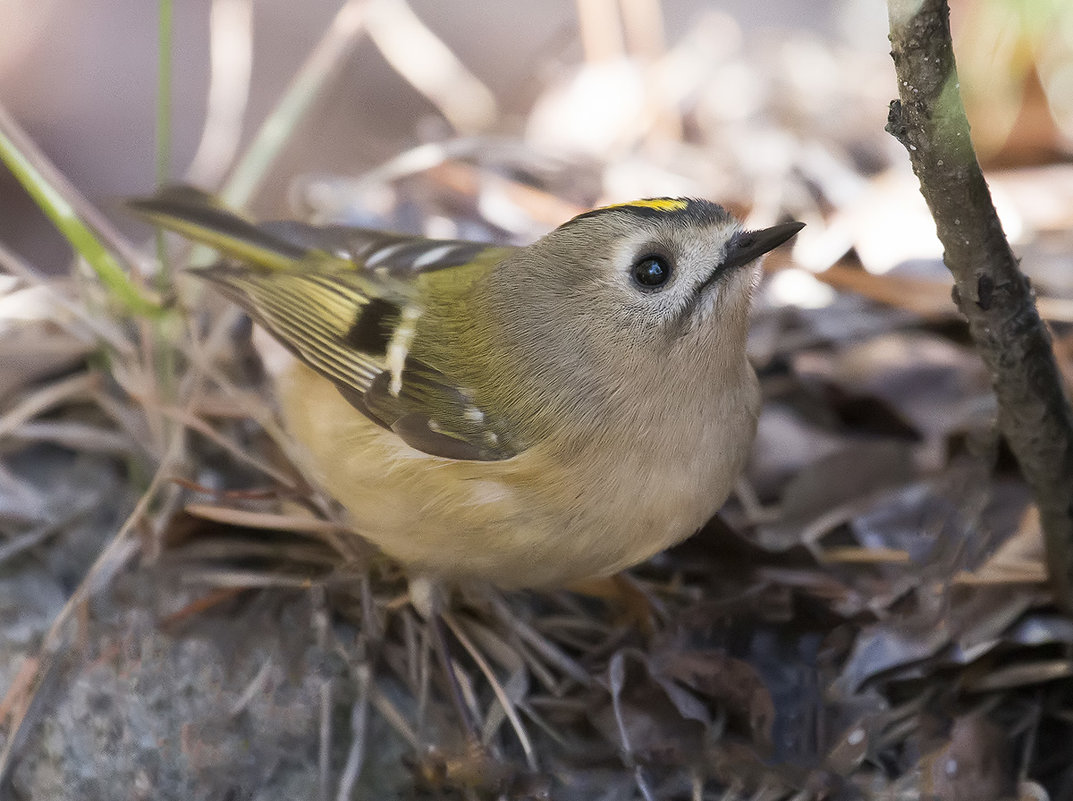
63,215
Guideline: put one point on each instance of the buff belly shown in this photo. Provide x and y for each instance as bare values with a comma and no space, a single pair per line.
529,521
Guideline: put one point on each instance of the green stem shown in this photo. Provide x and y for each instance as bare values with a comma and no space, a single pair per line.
14,154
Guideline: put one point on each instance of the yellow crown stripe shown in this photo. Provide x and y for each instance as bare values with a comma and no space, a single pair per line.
658,203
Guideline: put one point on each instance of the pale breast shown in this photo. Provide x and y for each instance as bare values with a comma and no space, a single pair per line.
533,520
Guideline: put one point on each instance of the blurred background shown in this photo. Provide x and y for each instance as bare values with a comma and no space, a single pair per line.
82,79
756,91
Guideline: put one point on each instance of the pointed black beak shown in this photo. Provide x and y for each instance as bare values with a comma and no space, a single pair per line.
749,245
746,246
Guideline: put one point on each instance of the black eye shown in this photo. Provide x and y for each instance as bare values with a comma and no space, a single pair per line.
652,272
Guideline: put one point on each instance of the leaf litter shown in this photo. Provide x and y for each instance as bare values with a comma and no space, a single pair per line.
868,618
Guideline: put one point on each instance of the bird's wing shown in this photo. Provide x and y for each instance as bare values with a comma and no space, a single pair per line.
345,304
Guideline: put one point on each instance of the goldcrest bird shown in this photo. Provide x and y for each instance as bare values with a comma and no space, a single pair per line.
530,415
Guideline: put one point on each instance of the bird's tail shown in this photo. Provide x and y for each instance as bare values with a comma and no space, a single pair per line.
202,218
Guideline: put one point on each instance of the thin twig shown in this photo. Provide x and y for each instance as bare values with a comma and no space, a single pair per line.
276,131
463,701
253,689
497,688
19,544
77,386
81,437
195,423
428,64
266,520
322,627
104,328
600,28
359,724
231,61
616,679
396,719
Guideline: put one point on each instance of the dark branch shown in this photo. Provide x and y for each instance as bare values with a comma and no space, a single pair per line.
989,288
